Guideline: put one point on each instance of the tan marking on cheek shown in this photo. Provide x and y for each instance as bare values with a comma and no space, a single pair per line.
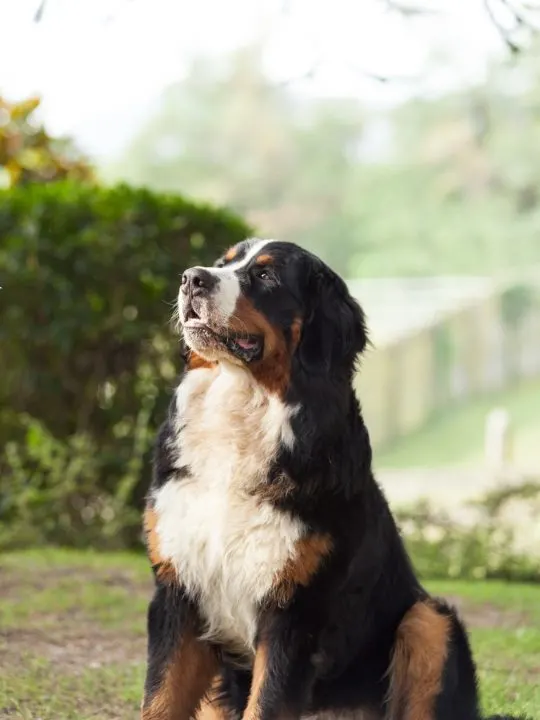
419,655
186,680
260,666
164,569
231,254
309,555
274,368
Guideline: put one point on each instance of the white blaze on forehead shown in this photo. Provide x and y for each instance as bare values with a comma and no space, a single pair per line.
228,291
253,251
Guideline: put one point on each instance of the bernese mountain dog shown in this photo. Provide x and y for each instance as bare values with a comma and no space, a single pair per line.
282,586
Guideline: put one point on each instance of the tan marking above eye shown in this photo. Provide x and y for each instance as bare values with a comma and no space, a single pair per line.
264,260
230,254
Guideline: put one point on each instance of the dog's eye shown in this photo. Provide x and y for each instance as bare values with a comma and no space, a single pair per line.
261,273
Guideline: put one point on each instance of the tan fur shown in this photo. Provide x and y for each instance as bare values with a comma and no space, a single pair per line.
357,714
194,361
272,371
164,568
252,711
210,708
296,333
186,680
310,551
231,254
417,664
264,260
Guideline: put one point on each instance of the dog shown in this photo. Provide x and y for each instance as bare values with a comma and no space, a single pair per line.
282,585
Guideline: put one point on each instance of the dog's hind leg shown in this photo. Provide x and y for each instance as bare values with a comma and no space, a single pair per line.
432,674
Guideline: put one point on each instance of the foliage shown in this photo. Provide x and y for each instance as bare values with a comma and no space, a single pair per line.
29,154
229,134
443,548
93,606
439,185
88,359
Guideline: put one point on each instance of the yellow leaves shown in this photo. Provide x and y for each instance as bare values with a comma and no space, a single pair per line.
21,111
14,171
29,154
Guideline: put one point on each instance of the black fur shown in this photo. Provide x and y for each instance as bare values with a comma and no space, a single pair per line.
331,647
168,614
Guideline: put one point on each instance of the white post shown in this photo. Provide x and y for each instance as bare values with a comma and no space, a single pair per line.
498,446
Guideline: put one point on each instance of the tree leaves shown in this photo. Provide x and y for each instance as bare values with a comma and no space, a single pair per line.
29,154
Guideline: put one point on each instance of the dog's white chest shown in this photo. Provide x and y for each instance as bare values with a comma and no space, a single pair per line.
226,544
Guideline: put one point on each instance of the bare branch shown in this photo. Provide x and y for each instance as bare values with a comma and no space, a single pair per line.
519,18
520,14
503,32
382,79
308,75
38,17
520,21
410,10
367,74
523,13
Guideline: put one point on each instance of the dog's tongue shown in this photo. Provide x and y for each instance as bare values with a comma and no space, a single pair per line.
245,344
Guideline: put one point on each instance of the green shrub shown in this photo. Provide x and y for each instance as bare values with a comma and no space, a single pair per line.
442,547
88,279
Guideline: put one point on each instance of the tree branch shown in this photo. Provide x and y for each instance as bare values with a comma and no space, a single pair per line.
521,20
503,31
409,10
38,16
521,16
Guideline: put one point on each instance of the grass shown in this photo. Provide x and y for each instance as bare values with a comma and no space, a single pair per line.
72,636
459,432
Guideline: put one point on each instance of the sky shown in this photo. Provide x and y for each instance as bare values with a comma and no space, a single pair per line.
101,65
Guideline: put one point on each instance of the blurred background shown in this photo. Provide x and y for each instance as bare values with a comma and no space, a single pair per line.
397,139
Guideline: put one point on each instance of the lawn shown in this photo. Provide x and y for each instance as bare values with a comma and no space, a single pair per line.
458,433
72,636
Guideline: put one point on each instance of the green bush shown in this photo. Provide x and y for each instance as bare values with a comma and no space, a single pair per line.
442,547
88,279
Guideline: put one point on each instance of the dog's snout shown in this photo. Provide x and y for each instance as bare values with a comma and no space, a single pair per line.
197,281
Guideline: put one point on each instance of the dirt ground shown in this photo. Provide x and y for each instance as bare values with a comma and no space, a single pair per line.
72,635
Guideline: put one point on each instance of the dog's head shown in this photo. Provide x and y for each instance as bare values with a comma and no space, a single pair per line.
266,303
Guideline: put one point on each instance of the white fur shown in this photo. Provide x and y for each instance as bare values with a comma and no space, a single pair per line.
226,294
254,250
226,545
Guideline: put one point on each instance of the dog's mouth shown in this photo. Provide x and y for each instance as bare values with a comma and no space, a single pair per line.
245,346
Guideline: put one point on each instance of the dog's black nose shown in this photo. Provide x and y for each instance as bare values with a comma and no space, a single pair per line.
197,281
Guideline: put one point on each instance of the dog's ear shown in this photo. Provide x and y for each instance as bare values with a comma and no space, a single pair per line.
334,330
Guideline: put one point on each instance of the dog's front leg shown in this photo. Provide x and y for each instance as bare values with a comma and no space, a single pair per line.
283,671
180,666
